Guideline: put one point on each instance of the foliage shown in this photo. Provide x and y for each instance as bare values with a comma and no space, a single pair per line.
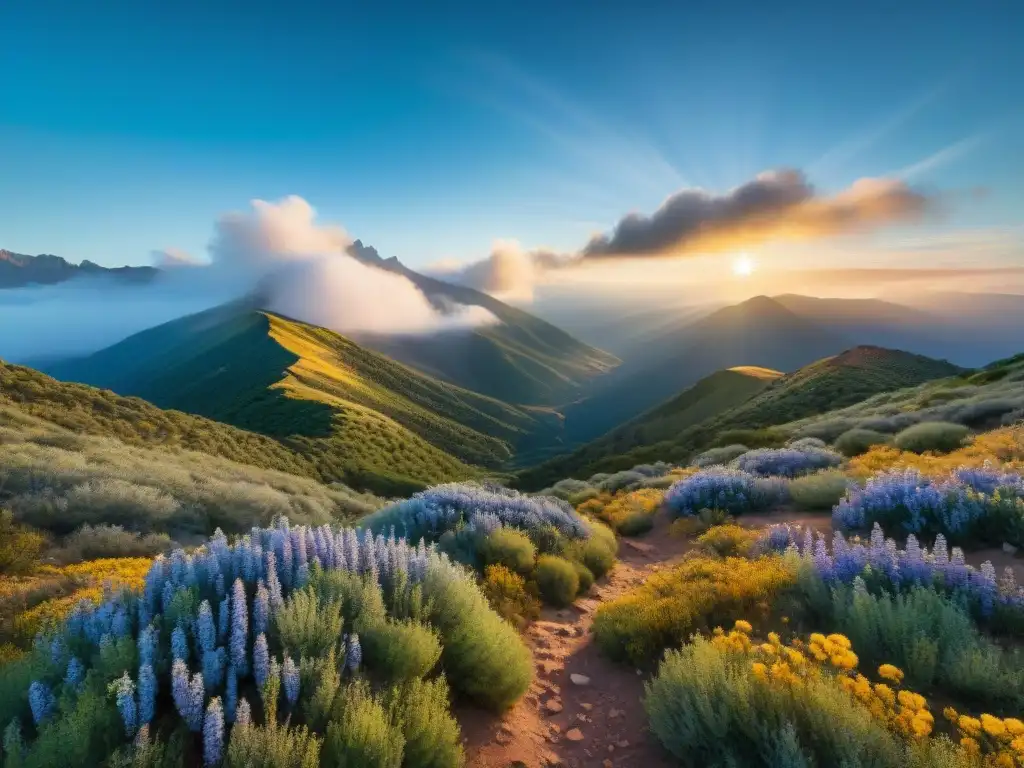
510,548
20,547
507,593
633,510
818,491
597,552
937,436
362,733
675,602
719,456
970,505
557,580
272,746
695,525
787,462
306,625
401,650
854,442
731,490
728,540
432,737
883,565
93,542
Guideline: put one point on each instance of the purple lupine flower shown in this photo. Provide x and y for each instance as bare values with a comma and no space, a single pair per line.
206,631
261,610
231,695
214,662
224,619
147,645
731,490
239,627
290,680
287,563
124,689
187,695
147,694
179,643
353,653
41,701
787,462
260,659
75,674
273,582
213,733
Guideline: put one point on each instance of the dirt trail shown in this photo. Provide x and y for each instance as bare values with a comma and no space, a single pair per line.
599,722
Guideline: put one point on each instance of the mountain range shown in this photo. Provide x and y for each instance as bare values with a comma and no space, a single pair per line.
18,270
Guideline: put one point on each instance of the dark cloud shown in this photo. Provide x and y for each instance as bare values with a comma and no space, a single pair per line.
775,205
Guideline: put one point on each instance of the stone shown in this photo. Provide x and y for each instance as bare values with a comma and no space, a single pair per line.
554,706
587,707
607,763
578,679
613,713
551,759
1009,549
574,734
622,744
503,738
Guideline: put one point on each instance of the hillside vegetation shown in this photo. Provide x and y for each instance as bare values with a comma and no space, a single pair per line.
816,389
354,414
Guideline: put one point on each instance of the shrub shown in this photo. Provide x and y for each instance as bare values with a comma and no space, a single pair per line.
401,650
432,736
509,547
635,504
636,524
361,733
930,638
586,578
718,456
506,592
728,540
483,655
597,552
557,580
20,547
697,594
730,490
272,746
807,444
822,490
707,708
102,541
854,442
308,626
787,462
908,501
694,525
937,436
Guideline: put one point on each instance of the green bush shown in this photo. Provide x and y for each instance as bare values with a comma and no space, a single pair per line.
728,540
94,542
636,524
272,746
557,580
432,736
597,551
586,578
854,442
927,635
321,680
307,626
509,547
722,455
937,436
401,650
361,599
483,655
362,733
707,709
507,593
819,491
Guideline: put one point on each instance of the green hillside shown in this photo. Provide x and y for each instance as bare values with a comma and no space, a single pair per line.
816,389
349,410
521,359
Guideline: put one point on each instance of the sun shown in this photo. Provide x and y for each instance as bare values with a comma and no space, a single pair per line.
743,265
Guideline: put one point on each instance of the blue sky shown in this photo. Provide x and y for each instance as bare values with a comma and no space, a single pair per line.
429,130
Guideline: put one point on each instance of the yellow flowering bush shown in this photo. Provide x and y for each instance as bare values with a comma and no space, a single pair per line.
1004,447
695,595
728,540
781,683
628,513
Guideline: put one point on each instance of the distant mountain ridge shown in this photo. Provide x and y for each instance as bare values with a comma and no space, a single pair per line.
18,270
721,403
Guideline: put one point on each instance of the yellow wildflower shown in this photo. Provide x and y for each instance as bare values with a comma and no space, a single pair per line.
921,727
743,626
910,700
817,638
760,670
1014,726
1018,745
993,726
951,714
890,672
841,640
1004,760
969,725
768,648
774,639
970,745
718,632
885,693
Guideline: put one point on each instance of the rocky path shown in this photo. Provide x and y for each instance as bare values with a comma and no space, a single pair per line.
582,709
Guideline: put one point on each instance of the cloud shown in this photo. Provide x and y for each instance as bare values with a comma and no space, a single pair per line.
777,205
173,258
304,271
510,272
